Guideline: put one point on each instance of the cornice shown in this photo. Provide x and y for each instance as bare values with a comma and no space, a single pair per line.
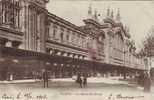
11,30
66,45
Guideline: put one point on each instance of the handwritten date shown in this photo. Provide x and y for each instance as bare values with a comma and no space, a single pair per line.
24,96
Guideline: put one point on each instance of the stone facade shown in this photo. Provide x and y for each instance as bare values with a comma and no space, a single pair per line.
64,38
31,27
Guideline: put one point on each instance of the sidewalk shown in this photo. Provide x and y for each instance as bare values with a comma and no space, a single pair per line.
18,81
66,88
90,80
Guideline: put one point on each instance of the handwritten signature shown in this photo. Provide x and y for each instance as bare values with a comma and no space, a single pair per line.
107,97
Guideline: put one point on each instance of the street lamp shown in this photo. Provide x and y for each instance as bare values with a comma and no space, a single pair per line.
124,65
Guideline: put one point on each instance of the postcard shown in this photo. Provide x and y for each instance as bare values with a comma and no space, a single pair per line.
76,50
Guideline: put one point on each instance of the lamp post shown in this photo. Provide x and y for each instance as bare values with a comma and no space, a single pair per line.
124,72
124,66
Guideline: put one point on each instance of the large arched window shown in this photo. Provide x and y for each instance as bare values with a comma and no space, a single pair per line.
10,12
61,36
54,31
100,44
118,45
68,36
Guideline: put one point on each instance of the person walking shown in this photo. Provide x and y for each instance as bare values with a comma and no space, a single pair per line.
45,78
79,80
85,80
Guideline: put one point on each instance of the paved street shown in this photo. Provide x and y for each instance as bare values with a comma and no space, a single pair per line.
97,89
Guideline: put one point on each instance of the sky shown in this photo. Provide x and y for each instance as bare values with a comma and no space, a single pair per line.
137,15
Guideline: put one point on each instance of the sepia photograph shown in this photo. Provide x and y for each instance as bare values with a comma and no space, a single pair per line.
76,50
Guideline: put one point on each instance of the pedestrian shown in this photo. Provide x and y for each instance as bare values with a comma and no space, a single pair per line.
147,82
78,76
85,80
45,78
79,80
